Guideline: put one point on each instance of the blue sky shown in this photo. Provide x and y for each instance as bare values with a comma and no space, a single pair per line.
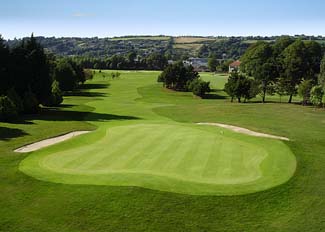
107,18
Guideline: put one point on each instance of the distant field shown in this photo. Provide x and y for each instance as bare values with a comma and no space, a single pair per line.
188,46
142,38
185,40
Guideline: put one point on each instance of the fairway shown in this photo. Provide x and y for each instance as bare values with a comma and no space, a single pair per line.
151,151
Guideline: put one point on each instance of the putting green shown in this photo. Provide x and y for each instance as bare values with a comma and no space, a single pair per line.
157,153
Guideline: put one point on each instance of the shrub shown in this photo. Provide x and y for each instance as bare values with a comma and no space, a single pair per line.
316,95
30,103
304,90
115,75
199,87
89,75
8,109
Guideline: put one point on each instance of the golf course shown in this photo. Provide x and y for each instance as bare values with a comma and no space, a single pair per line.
147,152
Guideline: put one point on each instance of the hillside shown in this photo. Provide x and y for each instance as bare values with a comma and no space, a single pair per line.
173,47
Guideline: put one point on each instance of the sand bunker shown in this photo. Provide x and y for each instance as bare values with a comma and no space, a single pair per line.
245,131
48,142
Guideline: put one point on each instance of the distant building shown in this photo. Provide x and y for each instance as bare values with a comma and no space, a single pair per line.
234,66
199,64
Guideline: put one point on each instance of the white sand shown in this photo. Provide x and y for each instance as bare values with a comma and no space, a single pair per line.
244,131
48,142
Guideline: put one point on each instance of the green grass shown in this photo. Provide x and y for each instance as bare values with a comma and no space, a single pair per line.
150,151
27,204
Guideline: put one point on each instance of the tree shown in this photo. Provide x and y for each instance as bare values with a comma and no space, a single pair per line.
131,56
294,67
80,74
38,70
281,44
304,90
259,62
177,76
316,95
4,67
57,96
231,85
156,61
239,86
213,63
313,60
65,75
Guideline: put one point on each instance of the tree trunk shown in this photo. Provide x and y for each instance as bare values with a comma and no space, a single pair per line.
232,99
239,101
290,99
264,93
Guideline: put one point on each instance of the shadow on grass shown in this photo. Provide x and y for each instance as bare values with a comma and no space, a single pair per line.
10,133
82,91
56,114
214,96
94,86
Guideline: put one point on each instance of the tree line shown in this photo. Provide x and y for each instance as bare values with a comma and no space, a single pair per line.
130,61
29,77
287,67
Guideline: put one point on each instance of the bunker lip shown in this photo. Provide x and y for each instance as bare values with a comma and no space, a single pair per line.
244,131
49,142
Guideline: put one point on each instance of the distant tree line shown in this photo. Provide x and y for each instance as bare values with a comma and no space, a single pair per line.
130,61
99,47
183,78
230,48
29,77
286,67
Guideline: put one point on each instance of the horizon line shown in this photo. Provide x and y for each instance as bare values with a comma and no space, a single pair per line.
160,35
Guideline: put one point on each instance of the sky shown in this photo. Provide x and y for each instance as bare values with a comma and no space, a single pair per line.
109,18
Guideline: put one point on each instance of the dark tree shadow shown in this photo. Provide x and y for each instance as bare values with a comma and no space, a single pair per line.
94,86
80,93
10,133
56,114
213,96
83,90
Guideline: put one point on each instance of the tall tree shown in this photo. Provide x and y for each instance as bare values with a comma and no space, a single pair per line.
294,67
313,60
260,63
30,70
4,67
